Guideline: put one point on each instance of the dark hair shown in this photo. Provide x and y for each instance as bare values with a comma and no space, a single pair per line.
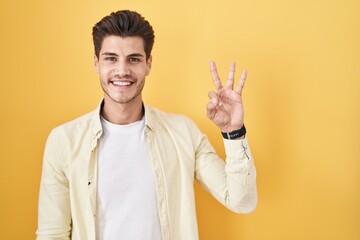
123,23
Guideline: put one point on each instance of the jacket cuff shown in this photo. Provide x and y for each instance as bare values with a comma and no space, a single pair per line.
235,148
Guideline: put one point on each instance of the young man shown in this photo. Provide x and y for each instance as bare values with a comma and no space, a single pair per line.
126,170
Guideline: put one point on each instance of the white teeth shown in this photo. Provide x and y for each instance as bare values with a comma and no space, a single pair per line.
121,83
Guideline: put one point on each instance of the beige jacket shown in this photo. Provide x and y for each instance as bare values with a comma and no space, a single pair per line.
179,153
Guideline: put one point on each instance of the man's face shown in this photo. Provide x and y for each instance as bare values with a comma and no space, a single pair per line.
122,67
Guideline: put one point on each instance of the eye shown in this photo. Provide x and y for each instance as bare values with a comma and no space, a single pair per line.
134,59
110,59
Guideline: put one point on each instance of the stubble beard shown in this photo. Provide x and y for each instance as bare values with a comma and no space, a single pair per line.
125,100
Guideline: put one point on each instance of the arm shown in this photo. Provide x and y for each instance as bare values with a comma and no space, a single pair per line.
54,217
232,183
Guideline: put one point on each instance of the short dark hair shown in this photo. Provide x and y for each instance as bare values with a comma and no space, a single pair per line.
123,23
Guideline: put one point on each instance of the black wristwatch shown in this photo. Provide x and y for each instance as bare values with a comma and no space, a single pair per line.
234,134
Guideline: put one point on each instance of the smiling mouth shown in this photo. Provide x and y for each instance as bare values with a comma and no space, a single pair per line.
122,83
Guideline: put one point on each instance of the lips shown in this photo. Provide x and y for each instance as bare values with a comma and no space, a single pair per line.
122,83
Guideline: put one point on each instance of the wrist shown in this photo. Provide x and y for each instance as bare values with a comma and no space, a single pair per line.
236,134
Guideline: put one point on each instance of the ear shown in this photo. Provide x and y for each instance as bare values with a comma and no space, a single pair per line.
148,63
96,64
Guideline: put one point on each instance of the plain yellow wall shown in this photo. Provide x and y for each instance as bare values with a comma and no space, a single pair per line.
302,102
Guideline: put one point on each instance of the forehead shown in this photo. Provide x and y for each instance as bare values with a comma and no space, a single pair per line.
125,45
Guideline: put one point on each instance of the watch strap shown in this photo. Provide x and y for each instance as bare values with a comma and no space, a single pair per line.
234,134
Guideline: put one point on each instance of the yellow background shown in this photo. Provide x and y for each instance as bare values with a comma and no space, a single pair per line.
302,101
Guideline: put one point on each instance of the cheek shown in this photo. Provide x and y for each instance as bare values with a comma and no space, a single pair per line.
143,71
105,72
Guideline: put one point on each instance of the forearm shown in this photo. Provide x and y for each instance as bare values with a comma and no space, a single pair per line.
241,194
233,182
54,221
54,215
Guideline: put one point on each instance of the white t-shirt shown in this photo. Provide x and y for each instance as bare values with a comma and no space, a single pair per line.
126,194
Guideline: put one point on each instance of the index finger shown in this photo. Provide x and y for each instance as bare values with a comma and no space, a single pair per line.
215,75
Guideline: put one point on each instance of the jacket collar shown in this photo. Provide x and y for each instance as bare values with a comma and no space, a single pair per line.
97,127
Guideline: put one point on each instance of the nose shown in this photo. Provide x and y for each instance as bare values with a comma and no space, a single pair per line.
122,68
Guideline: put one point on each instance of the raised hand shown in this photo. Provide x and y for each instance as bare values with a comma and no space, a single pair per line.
225,108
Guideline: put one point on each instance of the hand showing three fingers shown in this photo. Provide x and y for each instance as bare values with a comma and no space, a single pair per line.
225,108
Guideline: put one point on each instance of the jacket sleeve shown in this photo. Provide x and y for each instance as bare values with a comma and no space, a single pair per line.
233,181
54,216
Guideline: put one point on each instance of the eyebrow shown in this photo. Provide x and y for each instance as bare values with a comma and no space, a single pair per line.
136,55
131,55
109,54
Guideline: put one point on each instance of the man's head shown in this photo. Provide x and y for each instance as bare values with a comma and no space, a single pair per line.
124,24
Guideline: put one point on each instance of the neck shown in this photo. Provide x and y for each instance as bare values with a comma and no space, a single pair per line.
126,113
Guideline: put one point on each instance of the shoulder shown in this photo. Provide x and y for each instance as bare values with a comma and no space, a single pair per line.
80,126
167,117
171,122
